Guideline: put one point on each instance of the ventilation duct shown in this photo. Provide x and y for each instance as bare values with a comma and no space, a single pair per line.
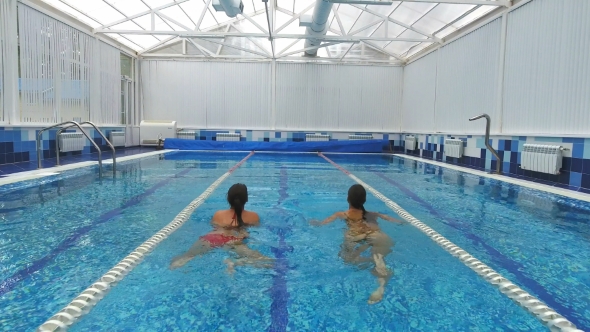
318,26
231,7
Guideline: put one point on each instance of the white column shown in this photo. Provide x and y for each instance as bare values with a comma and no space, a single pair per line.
10,60
500,92
95,95
273,94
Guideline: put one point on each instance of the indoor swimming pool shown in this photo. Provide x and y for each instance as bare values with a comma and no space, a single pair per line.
61,233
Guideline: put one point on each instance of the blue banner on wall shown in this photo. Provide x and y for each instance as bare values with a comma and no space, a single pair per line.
361,146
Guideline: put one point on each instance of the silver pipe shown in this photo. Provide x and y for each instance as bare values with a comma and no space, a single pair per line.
73,123
99,152
319,26
487,142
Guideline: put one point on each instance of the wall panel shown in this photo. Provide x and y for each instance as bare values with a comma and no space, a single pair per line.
8,60
338,97
419,95
240,95
547,72
110,84
467,81
207,94
55,69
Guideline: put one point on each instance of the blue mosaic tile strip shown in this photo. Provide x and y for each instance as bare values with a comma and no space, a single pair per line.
574,174
19,145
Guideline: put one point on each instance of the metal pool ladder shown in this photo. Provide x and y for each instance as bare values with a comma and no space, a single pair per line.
101,134
488,120
74,124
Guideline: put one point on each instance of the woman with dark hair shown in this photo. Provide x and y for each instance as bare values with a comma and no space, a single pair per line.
229,233
363,233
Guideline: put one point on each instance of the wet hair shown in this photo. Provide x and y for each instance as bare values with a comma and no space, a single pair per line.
357,196
237,196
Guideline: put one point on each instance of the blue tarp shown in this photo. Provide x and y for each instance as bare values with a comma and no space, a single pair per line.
361,146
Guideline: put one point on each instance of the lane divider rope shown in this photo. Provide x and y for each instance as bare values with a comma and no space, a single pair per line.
83,303
553,320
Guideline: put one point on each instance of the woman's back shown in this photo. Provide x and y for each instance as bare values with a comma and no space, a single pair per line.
228,218
357,224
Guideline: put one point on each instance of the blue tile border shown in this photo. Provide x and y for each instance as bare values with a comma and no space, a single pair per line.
17,145
574,174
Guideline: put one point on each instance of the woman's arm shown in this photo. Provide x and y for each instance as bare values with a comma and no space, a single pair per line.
388,218
329,219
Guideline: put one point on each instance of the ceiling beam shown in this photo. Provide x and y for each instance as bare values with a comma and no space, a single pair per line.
254,41
221,45
337,16
93,19
236,47
438,40
294,18
345,53
379,49
361,29
347,59
220,35
201,49
255,24
457,19
500,3
129,18
203,12
288,47
168,18
161,42
307,49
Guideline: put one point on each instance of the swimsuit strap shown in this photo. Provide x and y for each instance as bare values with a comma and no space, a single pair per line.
235,218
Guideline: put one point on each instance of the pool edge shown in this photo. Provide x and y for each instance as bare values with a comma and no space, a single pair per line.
43,172
524,183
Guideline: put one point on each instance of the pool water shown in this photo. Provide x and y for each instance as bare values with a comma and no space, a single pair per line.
74,228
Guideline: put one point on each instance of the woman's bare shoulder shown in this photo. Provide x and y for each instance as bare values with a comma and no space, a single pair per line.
251,217
220,217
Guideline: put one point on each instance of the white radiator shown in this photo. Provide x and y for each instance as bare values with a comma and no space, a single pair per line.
117,138
541,158
411,142
359,137
454,148
150,131
316,138
232,137
186,135
71,142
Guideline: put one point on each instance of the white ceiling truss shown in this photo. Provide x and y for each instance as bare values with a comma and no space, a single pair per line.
356,33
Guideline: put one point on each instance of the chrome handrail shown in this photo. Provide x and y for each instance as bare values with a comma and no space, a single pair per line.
101,134
72,123
488,121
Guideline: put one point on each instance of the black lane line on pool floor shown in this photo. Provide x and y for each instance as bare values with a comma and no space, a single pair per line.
85,301
278,291
545,314
10,283
499,259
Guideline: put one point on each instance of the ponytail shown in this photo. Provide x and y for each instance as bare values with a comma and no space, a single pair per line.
238,208
357,196
237,197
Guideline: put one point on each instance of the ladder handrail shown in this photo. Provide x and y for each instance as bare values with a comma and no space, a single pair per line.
73,123
101,134
487,142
